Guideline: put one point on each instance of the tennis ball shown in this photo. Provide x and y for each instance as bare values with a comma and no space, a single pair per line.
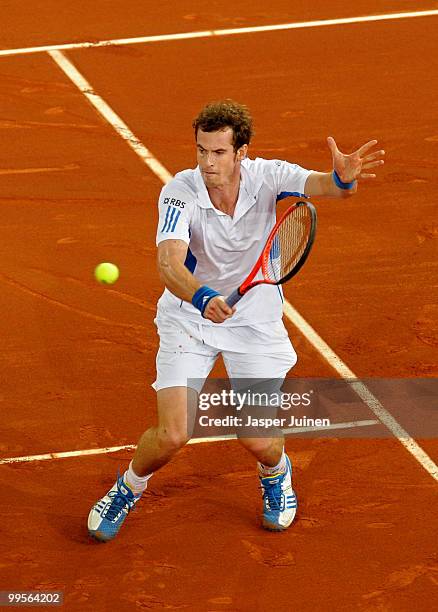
106,273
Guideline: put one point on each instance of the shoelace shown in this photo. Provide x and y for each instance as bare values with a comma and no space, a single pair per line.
275,496
119,501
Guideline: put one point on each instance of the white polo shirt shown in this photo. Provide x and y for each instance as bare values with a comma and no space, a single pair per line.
223,249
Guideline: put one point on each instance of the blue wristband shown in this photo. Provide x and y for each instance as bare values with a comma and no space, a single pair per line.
201,298
340,184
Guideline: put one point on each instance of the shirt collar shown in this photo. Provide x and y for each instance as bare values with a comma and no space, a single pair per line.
250,183
203,199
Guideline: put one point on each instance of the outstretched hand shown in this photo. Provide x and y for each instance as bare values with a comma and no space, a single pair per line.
351,167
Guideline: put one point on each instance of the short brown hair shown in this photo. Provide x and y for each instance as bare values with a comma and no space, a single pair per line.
216,116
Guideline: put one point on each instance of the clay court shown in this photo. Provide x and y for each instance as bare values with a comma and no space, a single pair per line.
78,187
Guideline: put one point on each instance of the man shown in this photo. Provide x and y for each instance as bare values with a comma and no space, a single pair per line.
212,223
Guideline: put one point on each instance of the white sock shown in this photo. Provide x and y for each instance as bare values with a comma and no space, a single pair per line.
280,468
137,484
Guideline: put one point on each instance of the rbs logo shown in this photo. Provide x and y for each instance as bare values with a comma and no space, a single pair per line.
174,202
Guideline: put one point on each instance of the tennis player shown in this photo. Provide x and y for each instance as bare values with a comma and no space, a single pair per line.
213,221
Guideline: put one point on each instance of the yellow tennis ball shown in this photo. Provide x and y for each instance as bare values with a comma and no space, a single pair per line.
106,273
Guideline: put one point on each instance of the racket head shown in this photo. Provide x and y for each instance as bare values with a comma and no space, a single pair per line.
303,216
289,243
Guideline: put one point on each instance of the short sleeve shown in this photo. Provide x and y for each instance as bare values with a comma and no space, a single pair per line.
290,179
284,178
174,208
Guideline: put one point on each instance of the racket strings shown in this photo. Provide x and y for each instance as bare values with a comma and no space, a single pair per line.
288,244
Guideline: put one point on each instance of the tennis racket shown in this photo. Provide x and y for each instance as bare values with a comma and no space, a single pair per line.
285,251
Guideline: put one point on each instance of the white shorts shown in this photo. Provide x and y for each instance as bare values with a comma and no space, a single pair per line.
188,352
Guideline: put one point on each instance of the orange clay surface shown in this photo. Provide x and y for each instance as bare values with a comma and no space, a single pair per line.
78,358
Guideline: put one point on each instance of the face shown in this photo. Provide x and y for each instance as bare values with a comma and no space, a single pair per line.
218,162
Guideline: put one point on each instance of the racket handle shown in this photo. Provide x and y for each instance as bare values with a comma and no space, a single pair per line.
233,298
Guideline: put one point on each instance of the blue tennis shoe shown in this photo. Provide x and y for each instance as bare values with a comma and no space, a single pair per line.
279,500
108,514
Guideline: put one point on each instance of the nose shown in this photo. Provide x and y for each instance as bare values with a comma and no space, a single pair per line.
210,159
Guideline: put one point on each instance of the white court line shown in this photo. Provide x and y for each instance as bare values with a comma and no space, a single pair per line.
67,454
110,116
212,33
115,449
308,332
362,391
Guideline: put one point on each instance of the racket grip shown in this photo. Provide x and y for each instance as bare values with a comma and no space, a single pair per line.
233,298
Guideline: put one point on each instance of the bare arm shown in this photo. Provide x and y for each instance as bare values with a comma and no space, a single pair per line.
322,184
182,283
177,278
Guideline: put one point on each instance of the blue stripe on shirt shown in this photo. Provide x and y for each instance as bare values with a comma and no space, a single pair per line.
172,216
191,261
176,221
169,223
166,219
288,194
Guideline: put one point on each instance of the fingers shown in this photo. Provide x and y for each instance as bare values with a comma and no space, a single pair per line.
332,144
217,310
364,148
357,162
373,156
373,164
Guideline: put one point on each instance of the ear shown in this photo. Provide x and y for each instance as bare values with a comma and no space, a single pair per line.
241,153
